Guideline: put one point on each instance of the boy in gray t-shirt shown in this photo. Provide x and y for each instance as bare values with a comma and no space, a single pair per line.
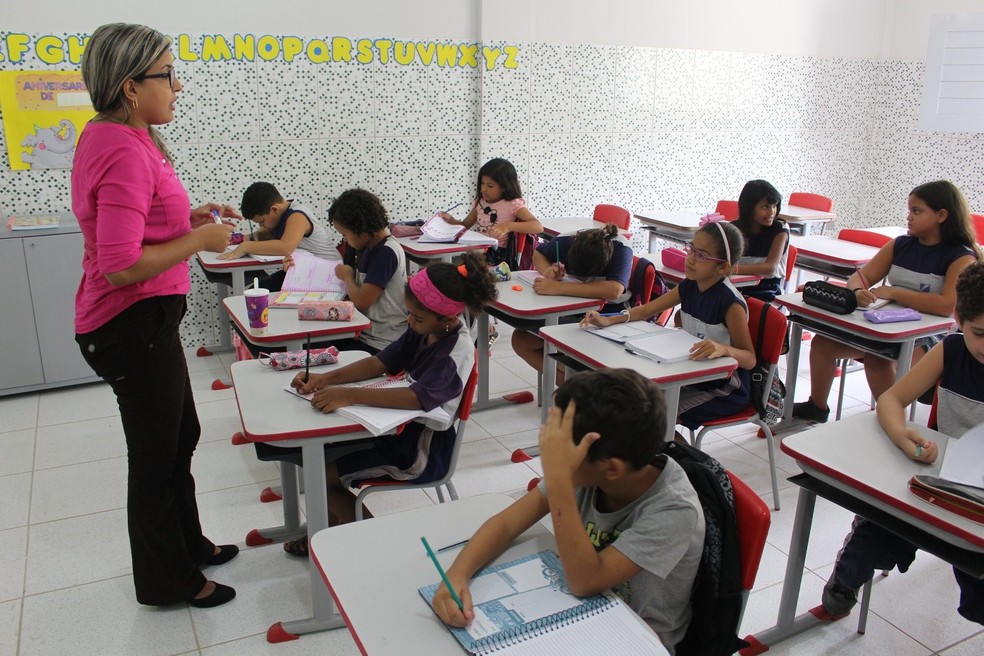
624,518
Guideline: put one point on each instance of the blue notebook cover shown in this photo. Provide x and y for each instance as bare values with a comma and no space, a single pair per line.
515,601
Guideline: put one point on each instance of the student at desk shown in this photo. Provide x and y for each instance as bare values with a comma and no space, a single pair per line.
284,225
922,267
958,364
589,264
624,517
713,310
766,239
437,353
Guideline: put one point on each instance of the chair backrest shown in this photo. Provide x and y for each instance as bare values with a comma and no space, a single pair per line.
523,245
468,394
775,329
641,281
791,253
753,518
875,239
728,209
978,221
811,201
620,216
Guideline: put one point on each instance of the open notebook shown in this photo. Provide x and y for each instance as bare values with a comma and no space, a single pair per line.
623,332
524,607
672,345
960,486
379,421
310,278
438,231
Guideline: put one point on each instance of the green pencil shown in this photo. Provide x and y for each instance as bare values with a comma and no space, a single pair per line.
444,577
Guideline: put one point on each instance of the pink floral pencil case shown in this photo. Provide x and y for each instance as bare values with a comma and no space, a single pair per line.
326,310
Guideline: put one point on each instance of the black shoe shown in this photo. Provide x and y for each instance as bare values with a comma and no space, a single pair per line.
809,411
838,600
226,553
221,595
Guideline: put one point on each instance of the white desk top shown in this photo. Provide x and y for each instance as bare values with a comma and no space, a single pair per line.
856,455
442,251
677,220
286,329
599,353
888,231
373,569
795,215
833,250
527,304
212,262
554,226
856,323
271,414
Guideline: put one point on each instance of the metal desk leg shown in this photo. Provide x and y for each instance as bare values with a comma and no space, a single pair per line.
316,505
904,364
549,378
292,527
671,396
787,623
792,365
482,400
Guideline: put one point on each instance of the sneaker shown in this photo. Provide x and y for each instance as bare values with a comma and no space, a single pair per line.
837,600
809,411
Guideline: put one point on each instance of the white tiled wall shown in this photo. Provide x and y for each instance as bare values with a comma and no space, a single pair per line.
646,128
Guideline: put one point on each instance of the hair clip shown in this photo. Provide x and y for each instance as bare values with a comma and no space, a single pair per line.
463,270
713,217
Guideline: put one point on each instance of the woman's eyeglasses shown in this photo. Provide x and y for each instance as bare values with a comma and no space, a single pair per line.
171,76
493,215
700,256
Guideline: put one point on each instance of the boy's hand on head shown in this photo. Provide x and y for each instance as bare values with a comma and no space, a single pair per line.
558,453
448,610
332,398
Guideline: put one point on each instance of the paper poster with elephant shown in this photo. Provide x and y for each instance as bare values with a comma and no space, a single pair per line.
43,114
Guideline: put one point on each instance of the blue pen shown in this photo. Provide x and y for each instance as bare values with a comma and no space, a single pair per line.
453,207
444,577
609,314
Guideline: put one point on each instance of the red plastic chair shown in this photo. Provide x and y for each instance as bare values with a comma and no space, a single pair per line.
978,221
728,209
865,237
791,253
620,216
811,201
384,484
775,334
753,519
643,293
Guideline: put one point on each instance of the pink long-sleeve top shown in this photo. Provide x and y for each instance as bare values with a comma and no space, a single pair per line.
125,195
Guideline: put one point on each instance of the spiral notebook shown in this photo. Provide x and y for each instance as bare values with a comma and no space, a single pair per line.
673,345
524,607
310,278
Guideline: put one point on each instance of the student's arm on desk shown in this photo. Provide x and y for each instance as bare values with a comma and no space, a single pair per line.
608,290
157,258
775,254
641,313
941,304
264,244
741,348
363,369
525,224
892,404
489,542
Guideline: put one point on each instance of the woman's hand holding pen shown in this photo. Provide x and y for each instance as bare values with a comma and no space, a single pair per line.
204,214
213,237
447,608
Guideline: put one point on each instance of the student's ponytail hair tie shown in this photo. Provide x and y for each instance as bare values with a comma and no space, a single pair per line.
463,270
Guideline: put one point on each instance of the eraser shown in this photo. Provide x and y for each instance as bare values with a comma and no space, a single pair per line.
517,288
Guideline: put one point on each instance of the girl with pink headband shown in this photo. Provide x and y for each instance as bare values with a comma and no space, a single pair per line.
437,354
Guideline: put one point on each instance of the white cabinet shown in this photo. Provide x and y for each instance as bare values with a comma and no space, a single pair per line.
39,275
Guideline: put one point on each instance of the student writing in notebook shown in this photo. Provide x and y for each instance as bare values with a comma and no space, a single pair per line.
957,362
766,239
712,310
498,210
922,267
437,353
283,226
624,517
592,263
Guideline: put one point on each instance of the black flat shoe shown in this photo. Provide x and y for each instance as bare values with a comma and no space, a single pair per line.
226,553
221,595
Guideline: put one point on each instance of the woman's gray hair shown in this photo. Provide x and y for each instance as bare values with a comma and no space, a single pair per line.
114,54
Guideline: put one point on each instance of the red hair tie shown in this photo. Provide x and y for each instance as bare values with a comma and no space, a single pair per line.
463,270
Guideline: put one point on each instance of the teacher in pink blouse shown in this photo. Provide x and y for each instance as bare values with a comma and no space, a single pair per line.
139,231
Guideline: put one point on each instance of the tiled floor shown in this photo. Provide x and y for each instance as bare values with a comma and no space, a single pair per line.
65,583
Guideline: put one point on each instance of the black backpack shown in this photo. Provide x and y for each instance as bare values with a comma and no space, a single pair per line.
716,597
